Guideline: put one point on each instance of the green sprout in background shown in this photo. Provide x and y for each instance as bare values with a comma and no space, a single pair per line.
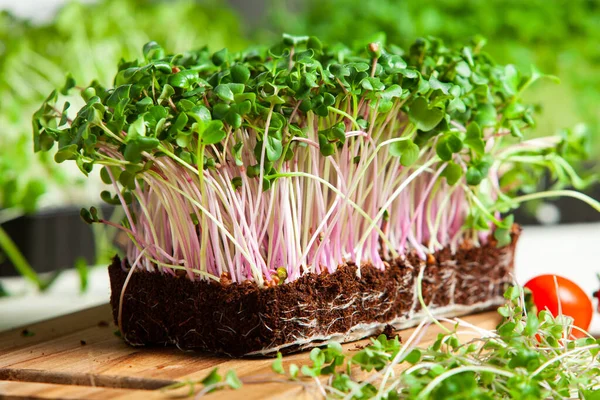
86,41
560,37
527,357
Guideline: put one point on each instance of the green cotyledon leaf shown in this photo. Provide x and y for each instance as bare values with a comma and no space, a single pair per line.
407,150
424,117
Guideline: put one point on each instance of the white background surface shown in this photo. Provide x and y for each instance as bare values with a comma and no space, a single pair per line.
37,10
572,251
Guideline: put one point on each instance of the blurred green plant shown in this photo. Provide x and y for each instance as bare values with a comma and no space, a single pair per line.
85,41
561,37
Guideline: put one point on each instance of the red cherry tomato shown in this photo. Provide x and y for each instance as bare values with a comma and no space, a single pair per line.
573,300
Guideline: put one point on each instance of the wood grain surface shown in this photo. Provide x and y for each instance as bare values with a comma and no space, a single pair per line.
78,356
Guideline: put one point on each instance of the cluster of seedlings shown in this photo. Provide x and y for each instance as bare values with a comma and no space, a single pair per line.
267,164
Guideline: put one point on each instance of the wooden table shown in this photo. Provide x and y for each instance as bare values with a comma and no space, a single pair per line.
78,356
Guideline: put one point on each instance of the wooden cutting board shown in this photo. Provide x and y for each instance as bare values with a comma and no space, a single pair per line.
78,356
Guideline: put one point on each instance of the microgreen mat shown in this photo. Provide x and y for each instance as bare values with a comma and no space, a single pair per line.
273,162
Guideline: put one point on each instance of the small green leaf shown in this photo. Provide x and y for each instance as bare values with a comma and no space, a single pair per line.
243,97
234,119
407,150
212,378
166,93
232,380
453,172
307,371
504,311
314,43
515,130
153,51
118,95
273,148
277,365
435,84
474,176
486,115
508,221
422,116
253,171
86,216
81,266
237,153
135,147
317,357
454,143
236,88
457,105
183,139
294,371
181,121
136,129
372,84
413,357
503,236
532,325
88,94
328,99
443,150
220,57
185,79
240,74
200,114
236,182
224,93
108,198
473,131
339,71
69,84
292,40
66,153
213,133
391,92
474,139
463,69
325,146
244,107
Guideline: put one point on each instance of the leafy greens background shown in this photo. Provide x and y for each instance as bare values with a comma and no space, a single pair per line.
560,37
86,41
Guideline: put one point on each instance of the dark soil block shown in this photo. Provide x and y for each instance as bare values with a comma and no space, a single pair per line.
245,320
